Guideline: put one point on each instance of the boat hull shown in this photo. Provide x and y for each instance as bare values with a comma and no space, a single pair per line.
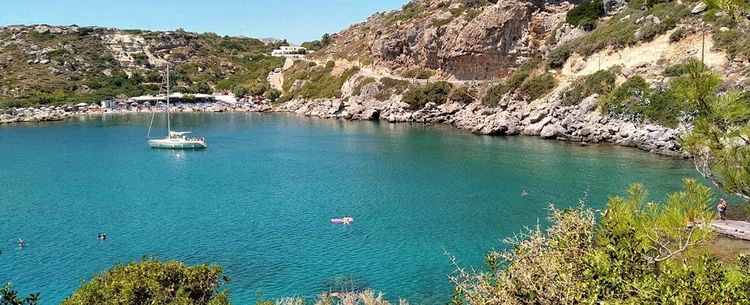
176,144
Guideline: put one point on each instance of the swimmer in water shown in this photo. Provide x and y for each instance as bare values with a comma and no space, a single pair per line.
21,243
524,193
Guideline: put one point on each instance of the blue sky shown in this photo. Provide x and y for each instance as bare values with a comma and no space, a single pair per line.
296,20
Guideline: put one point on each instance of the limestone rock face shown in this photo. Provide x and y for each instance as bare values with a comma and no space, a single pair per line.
484,44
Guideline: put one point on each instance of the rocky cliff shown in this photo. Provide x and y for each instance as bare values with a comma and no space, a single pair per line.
585,71
461,39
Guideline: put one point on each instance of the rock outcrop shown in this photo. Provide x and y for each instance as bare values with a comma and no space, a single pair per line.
547,119
459,40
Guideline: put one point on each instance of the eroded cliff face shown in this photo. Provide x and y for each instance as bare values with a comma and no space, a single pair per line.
465,40
483,47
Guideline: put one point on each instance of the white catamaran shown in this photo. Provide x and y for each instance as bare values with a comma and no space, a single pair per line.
175,139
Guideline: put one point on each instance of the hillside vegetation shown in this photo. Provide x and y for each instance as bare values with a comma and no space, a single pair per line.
56,65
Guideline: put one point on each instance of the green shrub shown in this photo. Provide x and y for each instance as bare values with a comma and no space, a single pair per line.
585,13
389,87
559,56
602,82
634,97
272,94
8,296
361,84
680,69
140,59
736,42
201,87
537,86
633,88
514,81
153,282
419,73
396,85
678,35
663,108
420,95
494,95
463,94
518,76
15,103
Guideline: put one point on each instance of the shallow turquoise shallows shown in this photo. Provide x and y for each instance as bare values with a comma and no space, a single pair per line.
259,200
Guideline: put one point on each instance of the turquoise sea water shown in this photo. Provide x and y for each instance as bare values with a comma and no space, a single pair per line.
259,200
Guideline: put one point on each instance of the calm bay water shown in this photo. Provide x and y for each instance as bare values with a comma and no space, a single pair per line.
258,201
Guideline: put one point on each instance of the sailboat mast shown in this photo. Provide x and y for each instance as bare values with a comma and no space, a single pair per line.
169,126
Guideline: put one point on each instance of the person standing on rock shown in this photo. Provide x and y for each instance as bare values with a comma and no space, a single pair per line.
722,207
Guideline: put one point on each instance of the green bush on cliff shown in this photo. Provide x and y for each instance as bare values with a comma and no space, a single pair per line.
735,41
585,13
602,82
361,84
635,98
419,73
420,95
463,94
494,95
681,69
272,94
628,94
559,56
513,82
536,87
389,87
153,282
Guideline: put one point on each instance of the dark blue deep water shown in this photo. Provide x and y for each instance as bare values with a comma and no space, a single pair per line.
259,200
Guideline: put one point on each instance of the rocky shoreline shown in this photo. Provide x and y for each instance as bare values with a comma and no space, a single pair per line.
547,119
36,115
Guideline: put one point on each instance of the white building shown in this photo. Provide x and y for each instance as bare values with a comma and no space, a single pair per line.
289,51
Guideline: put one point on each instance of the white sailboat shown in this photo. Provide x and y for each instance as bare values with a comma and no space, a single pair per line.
175,139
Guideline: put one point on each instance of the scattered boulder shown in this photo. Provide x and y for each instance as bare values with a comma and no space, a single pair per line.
699,8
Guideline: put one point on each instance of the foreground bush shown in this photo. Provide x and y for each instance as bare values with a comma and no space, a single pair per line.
8,296
637,253
153,282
